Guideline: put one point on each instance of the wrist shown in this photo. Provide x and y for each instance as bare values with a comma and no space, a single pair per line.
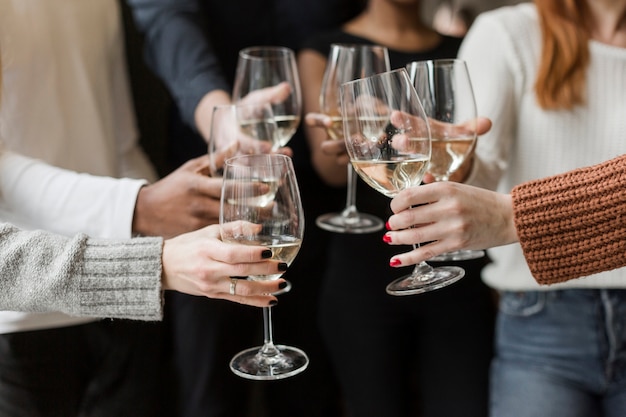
204,110
139,222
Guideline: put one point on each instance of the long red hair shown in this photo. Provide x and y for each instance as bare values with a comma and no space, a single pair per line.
565,53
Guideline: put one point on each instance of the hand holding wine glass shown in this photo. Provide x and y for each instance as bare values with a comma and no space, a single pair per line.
240,129
260,67
445,90
347,62
261,206
388,139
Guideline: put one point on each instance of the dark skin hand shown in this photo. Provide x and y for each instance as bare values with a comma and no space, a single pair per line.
185,200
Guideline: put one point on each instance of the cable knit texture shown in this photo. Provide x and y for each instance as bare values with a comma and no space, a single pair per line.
573,225
80,276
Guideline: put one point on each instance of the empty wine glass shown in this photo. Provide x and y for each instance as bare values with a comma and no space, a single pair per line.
347,62
445,89
240,129
388,139
260,67
260,205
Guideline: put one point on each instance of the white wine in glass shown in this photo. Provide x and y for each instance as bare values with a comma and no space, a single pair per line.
260,67
388,139
260,205
445,89
240,129
347,62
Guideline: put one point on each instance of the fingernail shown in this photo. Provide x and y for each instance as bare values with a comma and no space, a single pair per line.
386,238
282,267
272,303
266,254
282,285
395,262
387,226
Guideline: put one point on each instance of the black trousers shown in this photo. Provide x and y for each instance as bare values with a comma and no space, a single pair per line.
106,368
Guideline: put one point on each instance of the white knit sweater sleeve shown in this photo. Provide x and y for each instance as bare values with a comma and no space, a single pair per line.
39,196
80,276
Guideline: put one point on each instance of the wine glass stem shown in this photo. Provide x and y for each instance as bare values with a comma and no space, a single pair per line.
422,269
350,211
268,348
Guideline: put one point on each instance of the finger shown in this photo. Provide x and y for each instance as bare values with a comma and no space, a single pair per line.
285,151
209,186
317,120
483,125
253,293
423,253
196,164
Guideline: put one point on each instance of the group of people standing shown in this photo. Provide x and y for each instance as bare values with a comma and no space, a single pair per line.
549,75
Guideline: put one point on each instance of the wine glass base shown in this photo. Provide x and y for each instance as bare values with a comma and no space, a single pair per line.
458,255
362,223
252,364
439,277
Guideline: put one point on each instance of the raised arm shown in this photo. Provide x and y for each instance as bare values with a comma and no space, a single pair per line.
126,278
569,225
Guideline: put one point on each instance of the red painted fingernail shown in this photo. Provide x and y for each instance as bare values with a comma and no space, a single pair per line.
386,238
387,226
395,262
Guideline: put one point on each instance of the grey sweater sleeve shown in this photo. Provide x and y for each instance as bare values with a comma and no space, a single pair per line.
80,276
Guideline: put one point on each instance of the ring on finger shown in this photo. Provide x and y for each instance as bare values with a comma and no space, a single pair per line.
233,286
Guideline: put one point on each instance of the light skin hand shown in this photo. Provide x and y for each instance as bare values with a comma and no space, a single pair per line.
451,216
199,263
185,200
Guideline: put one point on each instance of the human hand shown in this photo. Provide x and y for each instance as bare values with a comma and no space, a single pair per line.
199,263
185,200
452,217
335,149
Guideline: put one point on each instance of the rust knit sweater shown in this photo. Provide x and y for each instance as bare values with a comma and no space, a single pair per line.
574,224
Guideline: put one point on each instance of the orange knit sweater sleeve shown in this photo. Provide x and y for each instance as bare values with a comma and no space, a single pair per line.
574,224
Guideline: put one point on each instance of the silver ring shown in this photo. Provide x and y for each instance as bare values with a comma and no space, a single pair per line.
233,286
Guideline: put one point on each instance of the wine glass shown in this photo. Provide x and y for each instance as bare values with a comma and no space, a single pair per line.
259,67
260,205
347,62
388,139
445,90
239,129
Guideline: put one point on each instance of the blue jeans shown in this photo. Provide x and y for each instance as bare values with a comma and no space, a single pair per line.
560,353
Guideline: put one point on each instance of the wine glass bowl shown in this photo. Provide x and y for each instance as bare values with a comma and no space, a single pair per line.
261,67
445,90
388,139
240,129
348,62
260,206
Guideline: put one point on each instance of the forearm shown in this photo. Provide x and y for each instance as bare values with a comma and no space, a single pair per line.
79,276
571,225
66,202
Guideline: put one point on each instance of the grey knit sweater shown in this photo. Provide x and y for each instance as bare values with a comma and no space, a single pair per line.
80,276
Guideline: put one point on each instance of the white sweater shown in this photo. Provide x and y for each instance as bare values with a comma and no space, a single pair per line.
66,101
502,50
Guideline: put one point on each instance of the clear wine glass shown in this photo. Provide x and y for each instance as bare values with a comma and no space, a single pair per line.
260,67
347,62
388,139
260,205
240,129
445,90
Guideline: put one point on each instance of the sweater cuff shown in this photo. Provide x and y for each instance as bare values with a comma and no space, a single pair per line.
122,280
571,225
